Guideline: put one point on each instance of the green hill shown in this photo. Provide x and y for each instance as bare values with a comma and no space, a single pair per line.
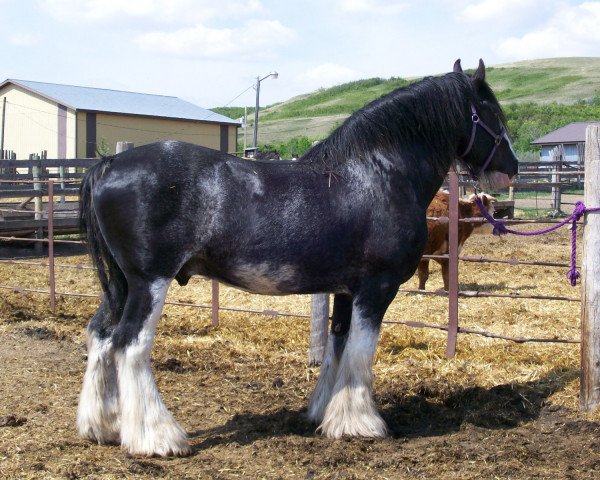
562,89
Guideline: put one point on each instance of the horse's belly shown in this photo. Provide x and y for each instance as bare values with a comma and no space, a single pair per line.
265,278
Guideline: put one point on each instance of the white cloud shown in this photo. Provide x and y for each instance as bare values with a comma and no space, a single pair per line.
180,11
24,39
494,10
571,31
255,39
326,75
375,7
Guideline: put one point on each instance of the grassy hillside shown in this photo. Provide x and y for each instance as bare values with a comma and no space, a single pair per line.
572,82
560,80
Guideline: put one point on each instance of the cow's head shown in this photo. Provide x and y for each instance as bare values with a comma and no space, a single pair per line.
488,202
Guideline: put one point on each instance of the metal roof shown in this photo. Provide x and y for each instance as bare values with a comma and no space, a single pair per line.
571,133
116,101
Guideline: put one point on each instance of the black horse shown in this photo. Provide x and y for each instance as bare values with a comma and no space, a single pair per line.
347,218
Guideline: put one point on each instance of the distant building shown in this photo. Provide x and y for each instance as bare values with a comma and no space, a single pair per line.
71,122
570,138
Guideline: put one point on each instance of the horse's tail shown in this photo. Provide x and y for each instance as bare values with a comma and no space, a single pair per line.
111,277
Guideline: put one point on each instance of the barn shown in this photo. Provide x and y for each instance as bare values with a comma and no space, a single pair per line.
570,139
74,122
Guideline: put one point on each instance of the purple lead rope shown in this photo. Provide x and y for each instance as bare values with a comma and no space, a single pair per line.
501,229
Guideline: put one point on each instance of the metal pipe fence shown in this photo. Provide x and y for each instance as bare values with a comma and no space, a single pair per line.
454,293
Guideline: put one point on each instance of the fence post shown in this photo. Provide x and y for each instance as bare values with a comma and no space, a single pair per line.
61,172
37,186
215,303
51,245
555,179
590,286
319,323
122,146
452,264
37,202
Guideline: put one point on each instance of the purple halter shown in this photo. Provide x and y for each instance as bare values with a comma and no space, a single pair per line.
497,141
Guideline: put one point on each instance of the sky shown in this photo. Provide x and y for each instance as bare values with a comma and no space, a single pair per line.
210,52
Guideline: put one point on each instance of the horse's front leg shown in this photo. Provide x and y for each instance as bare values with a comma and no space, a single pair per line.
351,409
147,427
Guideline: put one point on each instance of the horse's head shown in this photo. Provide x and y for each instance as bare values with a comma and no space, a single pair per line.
486,147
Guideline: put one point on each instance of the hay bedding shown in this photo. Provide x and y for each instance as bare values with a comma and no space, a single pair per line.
498,410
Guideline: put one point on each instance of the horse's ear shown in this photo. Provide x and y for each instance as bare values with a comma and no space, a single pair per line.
457,67
479,75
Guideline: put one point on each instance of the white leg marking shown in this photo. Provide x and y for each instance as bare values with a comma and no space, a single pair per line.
322,393
147,427
98,412
351,410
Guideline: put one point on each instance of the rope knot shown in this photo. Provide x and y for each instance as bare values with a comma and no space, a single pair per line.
579,210
573,275
499,228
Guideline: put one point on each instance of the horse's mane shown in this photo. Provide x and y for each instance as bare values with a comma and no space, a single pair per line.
407,116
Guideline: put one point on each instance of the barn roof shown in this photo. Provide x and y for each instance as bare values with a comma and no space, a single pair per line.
116,101
571,133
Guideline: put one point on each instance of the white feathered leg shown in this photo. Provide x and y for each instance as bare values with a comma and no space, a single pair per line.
351,410
147,427
98,417
322,393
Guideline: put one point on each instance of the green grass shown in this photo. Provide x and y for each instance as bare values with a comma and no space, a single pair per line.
531,213
341,99
524,195
517,83
233,112
538,96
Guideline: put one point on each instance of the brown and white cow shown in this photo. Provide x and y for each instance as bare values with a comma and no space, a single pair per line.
437,242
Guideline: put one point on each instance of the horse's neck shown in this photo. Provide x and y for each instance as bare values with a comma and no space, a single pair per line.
422,172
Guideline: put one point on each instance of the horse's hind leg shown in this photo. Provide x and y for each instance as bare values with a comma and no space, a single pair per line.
342,311
98,415
147,427
351,410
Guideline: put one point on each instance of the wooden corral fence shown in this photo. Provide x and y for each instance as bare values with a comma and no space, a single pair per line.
554,177
591,270
24,186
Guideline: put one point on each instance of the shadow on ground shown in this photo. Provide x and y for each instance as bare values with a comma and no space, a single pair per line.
438,409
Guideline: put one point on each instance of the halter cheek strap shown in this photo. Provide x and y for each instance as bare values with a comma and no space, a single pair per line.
497,141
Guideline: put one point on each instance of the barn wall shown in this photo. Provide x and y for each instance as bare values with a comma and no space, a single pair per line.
34,123
113,128
569,149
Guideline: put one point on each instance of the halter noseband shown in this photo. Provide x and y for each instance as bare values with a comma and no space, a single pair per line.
497,141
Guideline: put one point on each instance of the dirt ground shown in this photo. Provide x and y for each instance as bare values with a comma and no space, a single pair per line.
497,410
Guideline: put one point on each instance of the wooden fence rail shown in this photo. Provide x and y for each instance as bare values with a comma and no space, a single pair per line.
23,182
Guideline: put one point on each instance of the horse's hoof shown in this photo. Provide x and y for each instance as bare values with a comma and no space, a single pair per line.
369,428
164,439
181,450
101,438
102,433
